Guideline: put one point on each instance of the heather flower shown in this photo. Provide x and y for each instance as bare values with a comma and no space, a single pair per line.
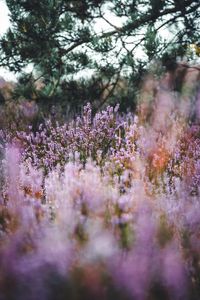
173,273
101,199
11,165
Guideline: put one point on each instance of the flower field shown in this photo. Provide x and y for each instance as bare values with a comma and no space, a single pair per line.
106,206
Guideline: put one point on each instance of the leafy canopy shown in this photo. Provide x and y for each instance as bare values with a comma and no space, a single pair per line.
64,41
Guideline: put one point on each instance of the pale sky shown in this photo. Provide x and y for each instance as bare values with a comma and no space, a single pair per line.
4,19
4,24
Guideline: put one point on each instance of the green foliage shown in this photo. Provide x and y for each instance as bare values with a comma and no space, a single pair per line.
63,42
151,42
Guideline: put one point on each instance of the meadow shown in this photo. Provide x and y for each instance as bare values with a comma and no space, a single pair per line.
105,206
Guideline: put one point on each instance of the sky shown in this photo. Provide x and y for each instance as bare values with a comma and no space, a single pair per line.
4,19
4,24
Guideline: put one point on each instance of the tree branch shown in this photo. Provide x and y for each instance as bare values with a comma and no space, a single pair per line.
147,18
